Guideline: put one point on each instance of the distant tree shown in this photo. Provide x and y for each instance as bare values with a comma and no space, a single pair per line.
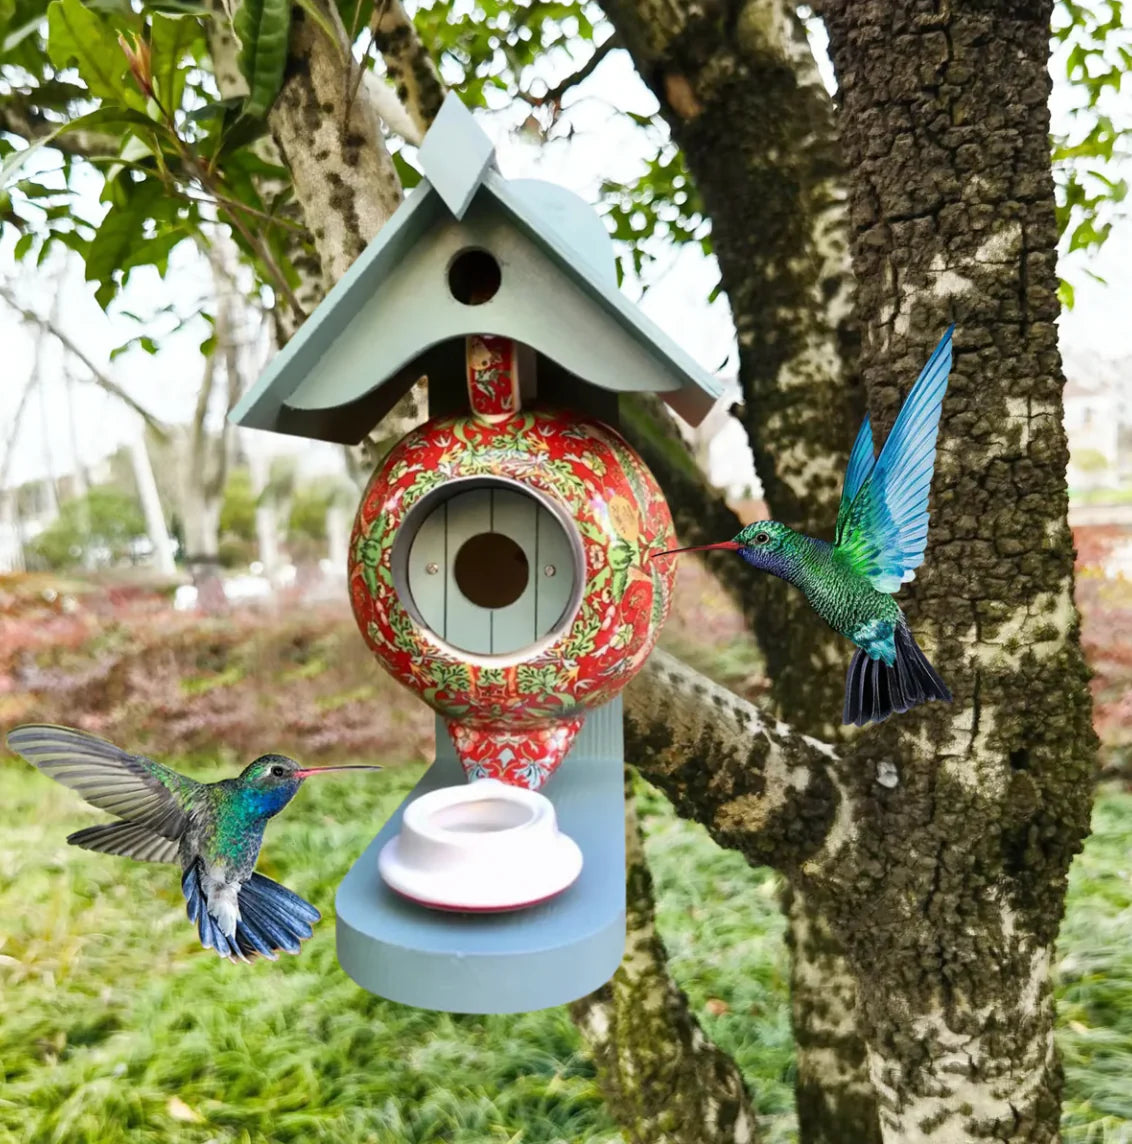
307,527
237,507
1089,461
99,527
307,520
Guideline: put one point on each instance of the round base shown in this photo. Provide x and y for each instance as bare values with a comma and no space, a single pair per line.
483,847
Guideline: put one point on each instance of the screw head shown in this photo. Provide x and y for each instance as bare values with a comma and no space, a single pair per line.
432,569
549,570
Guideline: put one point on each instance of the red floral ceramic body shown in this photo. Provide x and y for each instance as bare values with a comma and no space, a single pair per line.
515,719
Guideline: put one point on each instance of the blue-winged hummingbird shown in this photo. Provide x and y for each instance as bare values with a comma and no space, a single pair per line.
214,830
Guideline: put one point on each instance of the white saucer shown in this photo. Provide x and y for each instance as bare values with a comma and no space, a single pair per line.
483,846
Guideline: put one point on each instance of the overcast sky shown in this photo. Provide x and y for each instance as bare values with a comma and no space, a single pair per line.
605,144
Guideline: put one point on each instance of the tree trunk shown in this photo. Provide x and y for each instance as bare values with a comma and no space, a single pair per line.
202,534
151,506
224,51
664,1081
207,468
266,515
833,1092
744,100
953,911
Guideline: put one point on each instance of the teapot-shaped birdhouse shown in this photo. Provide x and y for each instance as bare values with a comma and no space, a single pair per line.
499,569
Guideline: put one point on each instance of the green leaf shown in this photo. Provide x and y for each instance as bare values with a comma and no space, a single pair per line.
7,11
217,110
17,36
23,246
406,172
103,117
13,162
177,7
263,28
144,342
356,15
171,40
75,33
1065,294
121,232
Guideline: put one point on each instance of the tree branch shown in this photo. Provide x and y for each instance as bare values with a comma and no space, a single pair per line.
663,1080
408,64
20,115
100,378
759,787
554,95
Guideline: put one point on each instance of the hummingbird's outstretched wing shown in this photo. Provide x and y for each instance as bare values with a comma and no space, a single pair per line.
882,533
129,839
130,786
861,462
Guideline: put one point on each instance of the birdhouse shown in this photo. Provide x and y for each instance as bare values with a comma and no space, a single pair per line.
498,569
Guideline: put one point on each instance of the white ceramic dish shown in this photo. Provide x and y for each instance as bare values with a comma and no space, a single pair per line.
485,846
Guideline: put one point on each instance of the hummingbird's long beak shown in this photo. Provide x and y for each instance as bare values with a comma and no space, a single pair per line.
732,545
306,772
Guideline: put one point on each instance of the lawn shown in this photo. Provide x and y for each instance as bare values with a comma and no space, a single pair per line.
116,1027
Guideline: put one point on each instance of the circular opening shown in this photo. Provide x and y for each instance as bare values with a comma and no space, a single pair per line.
485,816
491,570
435,601
474,277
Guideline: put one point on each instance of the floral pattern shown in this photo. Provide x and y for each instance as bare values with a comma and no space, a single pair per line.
516,722
493,380
523,757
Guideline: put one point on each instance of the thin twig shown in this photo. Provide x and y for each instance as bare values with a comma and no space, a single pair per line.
100,378
13,432
204,177
356,81
555,94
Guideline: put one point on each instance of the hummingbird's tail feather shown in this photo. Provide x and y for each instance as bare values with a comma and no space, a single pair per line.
873,690
272,918
196,906
276,914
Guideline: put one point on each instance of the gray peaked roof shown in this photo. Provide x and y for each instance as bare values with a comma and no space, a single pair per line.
392,317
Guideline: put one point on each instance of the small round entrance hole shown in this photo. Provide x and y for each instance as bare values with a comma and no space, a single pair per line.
486,816
491,570
474,277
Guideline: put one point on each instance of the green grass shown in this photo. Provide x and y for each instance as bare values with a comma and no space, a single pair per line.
1095,973
115,1027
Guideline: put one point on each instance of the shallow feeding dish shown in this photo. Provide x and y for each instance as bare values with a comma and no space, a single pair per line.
483,847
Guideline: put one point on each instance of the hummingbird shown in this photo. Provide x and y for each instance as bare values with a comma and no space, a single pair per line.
214,830
879,541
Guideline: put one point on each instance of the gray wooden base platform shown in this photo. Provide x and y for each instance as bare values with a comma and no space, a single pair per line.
502,963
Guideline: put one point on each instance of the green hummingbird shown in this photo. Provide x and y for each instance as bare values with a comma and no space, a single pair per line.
214,830
879,541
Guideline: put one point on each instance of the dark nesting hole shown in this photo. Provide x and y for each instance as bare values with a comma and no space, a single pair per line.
474,277
491,570
1020,759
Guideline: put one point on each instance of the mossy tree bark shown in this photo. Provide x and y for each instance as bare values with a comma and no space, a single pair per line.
953,906
741,91
663,1080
